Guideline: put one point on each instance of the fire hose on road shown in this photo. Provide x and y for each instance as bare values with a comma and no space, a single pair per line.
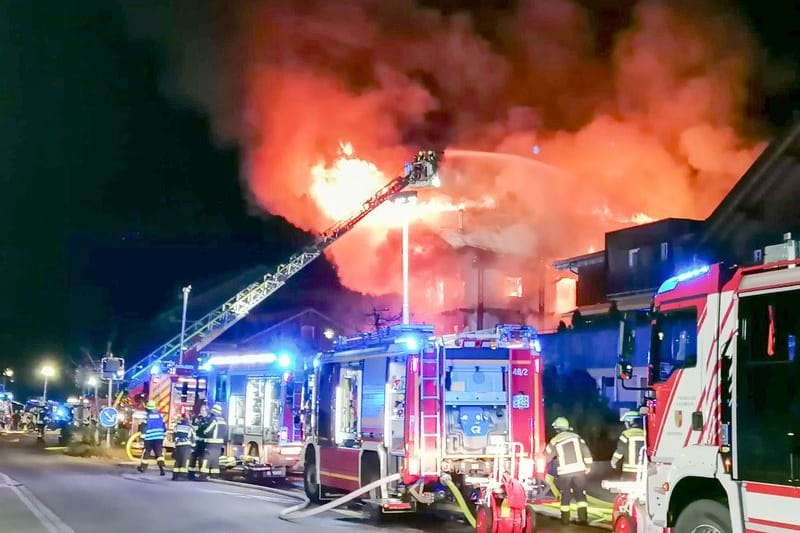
299,514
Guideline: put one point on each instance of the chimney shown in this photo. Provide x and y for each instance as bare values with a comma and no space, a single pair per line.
461,220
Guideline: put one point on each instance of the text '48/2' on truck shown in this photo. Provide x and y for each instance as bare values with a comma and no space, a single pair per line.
723,417
426,412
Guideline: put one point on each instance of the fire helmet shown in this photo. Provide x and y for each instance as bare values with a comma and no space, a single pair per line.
561,424
631,418
216,410
150,406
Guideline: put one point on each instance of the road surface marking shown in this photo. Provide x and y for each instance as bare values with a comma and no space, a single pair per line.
251,496
51,522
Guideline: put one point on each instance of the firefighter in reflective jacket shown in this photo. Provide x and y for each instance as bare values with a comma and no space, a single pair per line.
153,435
630,443
199,424
215,435
183,436
573,464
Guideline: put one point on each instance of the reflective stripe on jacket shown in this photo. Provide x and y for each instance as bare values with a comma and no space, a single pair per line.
183,435
571,451
217,431
154,428
629,445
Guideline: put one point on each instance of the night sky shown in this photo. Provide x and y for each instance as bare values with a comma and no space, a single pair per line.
114,196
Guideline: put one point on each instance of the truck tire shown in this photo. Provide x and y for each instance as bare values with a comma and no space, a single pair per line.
704,516
310,485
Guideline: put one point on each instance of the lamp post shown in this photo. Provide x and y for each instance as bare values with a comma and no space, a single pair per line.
94,383
405,199
7,374
48,371
186,291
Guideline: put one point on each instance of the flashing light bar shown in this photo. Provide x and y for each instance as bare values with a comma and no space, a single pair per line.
672,282
411,343
249,359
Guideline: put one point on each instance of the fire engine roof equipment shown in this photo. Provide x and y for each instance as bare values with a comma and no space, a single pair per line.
424,170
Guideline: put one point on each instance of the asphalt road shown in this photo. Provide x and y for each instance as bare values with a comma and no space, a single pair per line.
45,492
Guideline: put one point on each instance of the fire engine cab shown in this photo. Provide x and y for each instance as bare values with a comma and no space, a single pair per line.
427,412
177,390
723,415
260,395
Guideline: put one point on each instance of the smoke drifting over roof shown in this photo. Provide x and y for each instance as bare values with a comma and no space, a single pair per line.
648,126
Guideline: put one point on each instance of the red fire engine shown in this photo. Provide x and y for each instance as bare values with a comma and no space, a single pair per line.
465,411
723,440
261,397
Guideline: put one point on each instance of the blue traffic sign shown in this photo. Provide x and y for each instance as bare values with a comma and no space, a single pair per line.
108,417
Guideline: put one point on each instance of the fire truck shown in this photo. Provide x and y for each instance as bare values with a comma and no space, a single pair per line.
427,413
261,396
723,414
177,390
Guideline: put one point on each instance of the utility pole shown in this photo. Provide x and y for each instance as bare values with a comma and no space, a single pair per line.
186,291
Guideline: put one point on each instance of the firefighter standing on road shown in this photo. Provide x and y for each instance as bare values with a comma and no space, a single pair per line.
630,443
215,435
153,435
574,463
183,448
199,424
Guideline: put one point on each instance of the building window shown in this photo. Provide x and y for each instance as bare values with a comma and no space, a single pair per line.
513,287
633,257
664,251
308,332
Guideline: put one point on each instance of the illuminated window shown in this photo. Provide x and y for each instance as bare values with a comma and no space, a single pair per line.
513,287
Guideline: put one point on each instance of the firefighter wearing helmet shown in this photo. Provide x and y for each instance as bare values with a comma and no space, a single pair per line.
573,464
216,436
153,434
183,436
629,445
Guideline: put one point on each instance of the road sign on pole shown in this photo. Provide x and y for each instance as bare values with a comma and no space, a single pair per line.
108,417
113,368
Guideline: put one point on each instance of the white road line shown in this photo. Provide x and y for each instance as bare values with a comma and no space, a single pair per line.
51,522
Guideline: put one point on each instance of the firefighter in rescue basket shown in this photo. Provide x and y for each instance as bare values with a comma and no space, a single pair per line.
630,443
573,465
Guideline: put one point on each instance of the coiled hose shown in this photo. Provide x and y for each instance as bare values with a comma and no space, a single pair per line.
296,509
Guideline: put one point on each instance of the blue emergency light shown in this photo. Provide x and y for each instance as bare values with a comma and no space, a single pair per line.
672,282
284,360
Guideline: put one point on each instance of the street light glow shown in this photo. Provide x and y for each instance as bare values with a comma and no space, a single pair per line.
328,333
92,381
48,371
8,372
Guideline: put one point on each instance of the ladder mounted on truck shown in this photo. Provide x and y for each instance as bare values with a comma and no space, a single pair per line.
421,173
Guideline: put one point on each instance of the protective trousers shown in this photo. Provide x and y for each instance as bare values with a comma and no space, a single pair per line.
154,448
196,458
182,453
210,464
573,485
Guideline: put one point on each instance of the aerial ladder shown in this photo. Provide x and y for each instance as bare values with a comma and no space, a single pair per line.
421,173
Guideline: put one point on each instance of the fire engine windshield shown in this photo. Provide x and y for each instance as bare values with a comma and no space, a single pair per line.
673,344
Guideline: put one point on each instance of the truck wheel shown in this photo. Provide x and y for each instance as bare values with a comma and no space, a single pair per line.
310,484
704,516
372,514
483,519
624,524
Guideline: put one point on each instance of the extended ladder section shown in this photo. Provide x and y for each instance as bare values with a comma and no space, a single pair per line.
423,171
431,416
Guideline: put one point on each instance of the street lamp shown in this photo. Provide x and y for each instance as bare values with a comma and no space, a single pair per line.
186,291
7,374
405,199
48,371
